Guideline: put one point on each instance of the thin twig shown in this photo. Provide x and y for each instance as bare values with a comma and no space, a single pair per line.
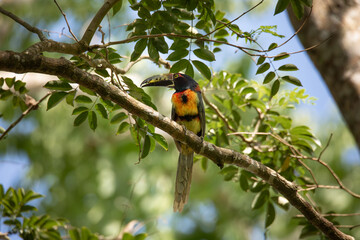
131,39
332,215
67,23
24,24
297,31
27,111
227,24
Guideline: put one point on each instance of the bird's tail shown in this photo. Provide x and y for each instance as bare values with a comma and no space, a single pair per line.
183,180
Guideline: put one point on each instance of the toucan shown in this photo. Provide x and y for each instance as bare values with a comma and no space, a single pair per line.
187,110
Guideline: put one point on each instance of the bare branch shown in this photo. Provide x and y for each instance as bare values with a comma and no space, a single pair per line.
24,24
32,106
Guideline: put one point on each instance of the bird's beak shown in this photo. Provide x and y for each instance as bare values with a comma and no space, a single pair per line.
165,80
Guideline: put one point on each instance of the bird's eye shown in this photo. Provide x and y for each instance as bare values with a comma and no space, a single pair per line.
176,75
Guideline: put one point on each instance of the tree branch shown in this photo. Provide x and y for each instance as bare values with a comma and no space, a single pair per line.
90,31
23,62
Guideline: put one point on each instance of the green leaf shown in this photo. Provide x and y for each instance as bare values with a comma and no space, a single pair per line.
2,192
229,172
27,208
83,99
308,230
297,8
55,98
146,147
140,236
160,140
124,126
244,184
260,199
189,70
178,54
288,67
153,52
292,80
81,118
263,68
281,6
70,98
88,91
116,8
307,2
58,85
204,54
202,68
269,77
275,88
102,72
127,236
260,60
10,81
281,56
102,110
92,120
138,49
180,65
270,215
118,118
1,81
160,43
18,85
272,46
180,44
79,110
74,234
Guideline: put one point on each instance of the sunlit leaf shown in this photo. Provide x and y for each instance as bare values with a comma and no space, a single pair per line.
292,80
288,67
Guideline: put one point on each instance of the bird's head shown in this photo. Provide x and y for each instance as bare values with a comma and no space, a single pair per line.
178,81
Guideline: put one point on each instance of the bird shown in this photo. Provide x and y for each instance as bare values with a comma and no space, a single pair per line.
187,110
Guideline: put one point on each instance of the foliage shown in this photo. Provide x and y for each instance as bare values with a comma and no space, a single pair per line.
91,168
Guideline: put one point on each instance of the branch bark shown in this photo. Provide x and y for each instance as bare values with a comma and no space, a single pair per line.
338,58
24,62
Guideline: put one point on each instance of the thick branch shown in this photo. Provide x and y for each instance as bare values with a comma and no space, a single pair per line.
22,62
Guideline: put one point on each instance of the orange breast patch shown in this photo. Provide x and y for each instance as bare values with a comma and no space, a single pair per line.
185,102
